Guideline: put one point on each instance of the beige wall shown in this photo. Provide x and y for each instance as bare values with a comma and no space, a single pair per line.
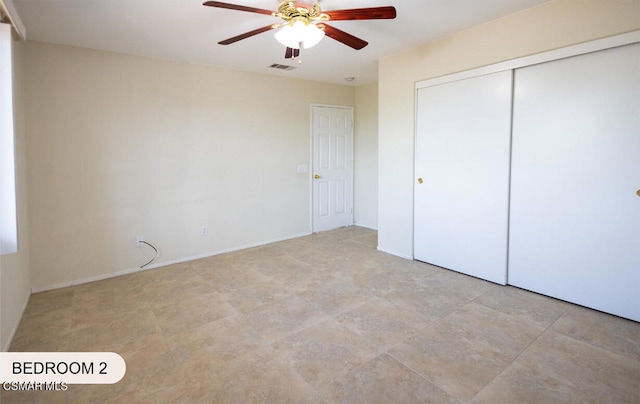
552,25
121,146
366,156
15,279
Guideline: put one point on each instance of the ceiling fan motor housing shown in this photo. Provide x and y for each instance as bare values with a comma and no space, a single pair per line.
304,4
300,11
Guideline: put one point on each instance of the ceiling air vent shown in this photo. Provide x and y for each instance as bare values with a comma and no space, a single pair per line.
281,67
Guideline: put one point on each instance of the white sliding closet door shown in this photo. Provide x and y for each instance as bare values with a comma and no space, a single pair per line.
575,214
462,175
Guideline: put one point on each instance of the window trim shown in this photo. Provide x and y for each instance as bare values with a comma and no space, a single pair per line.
8,201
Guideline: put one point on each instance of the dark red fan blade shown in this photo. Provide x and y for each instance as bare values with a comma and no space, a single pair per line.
237,7
373,13
341,36
246,35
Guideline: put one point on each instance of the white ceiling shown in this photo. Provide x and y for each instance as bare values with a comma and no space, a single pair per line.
187,31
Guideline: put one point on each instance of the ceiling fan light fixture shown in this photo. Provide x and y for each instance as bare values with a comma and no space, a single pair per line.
297,34
304,23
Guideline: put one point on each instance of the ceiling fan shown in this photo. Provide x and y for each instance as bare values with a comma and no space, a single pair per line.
305,24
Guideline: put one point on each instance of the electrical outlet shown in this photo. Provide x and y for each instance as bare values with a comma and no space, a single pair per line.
204,231
139,240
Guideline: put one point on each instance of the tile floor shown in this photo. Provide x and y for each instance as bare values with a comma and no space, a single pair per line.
328,319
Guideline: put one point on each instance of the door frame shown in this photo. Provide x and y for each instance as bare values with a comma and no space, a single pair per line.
312,106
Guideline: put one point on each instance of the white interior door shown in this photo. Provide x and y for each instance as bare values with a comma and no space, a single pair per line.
332,174
575,214
462,175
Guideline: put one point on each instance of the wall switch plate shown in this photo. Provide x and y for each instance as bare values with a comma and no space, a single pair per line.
302,168
204,231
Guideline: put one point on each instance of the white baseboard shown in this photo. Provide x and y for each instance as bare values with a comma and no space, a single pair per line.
16,325
397,254
365,226
160,264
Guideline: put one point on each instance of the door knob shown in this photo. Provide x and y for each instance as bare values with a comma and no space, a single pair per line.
316,176
420,181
